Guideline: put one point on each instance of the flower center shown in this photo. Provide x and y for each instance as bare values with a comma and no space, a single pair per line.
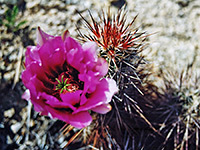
67,82
62,85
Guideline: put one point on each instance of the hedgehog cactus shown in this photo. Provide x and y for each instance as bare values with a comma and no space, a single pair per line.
181,106
121,45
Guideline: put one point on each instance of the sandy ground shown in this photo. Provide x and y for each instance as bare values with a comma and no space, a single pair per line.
175,25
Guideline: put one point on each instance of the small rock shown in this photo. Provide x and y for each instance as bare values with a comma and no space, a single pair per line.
15,127
2,125
183,3
23,113
32,123
9,113
14,2
32,4
9,140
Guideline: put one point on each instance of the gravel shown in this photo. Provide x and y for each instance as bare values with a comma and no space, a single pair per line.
174,44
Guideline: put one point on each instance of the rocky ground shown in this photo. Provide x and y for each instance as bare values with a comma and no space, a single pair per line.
174,44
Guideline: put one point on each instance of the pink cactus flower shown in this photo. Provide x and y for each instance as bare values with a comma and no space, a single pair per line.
65,80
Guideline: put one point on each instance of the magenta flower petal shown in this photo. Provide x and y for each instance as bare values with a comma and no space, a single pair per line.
101,67
55,103
102,109
42,37
90,51
32,55
37,103
73,55
81,119
83,99
26,95
71,44
71,98
102,95
65,80
35,94
35,69
52,55
90,81
34,82
56,113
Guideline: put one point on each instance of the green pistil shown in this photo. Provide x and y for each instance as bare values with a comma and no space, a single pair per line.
62,84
